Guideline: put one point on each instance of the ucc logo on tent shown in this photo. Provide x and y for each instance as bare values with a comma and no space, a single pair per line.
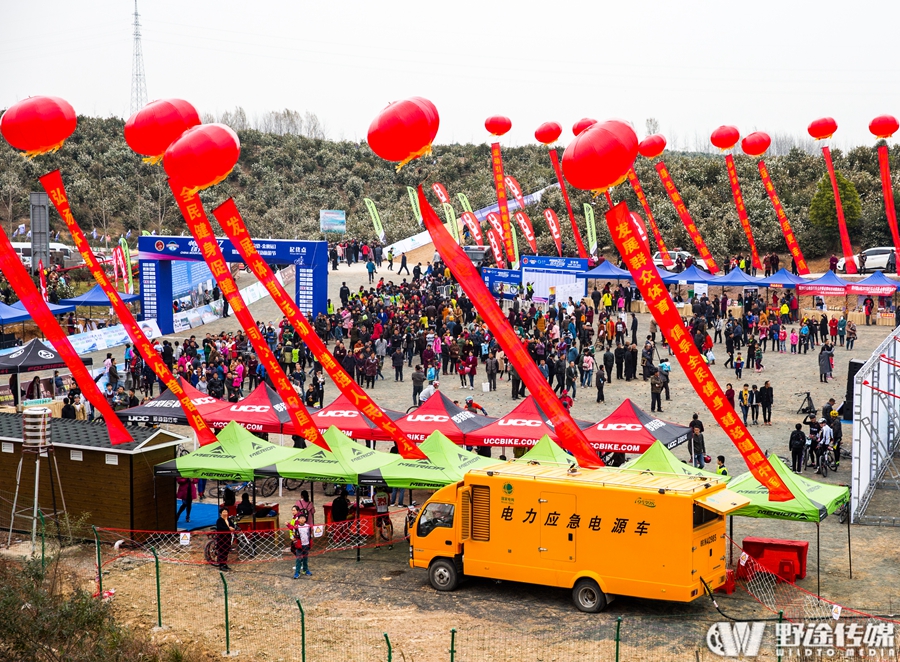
428,418
612,427
337,413
519,423
250,409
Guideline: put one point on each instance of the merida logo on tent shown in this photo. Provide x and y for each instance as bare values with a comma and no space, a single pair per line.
318,455
216,451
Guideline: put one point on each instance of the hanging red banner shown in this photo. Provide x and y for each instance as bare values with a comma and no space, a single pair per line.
888,189
192,209
527,229
582,252
685,216
571,437
495,248
846,247
553,224
474,227
741,209
642,198
42,278
53,184
632,246
516,190
21,283
500,186
441,193
789,238
230,219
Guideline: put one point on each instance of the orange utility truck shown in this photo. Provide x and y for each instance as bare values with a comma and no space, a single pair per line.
599,532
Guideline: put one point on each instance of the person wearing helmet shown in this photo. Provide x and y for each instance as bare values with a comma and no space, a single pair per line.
428,391
474,407
826,437
837,433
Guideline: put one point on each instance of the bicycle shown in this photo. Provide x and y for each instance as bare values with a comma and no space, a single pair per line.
807,406
843,511
237,542
385,528
291,484
412,512
267,487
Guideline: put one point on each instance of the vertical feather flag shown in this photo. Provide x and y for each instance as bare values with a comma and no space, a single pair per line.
376,220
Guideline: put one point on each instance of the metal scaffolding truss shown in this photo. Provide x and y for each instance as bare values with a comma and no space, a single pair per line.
876,431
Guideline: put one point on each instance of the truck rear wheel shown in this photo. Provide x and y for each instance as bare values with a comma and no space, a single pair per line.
587,596
443,575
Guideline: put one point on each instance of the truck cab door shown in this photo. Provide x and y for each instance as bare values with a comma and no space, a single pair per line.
558,526
435,531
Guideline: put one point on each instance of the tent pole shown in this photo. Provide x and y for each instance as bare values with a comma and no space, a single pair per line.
357,523
849,553
818,562
253,519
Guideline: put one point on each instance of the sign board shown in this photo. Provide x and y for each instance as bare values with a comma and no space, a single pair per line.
332,220
505,282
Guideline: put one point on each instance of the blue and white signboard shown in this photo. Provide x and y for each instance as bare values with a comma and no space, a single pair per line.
332,220
504,282
544,272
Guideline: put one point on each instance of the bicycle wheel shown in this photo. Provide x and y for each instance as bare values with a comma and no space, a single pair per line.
268,486
210,550
412,409
220,489
823,466
291,484
386,529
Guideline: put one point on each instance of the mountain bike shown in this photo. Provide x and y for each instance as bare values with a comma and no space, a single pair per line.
843,512
266,486
237,542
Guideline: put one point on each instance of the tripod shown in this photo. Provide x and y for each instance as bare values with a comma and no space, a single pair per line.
807,406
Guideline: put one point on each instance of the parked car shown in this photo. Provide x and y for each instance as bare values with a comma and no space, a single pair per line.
684,255
876,259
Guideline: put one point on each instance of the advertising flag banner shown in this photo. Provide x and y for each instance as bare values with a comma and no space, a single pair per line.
230,219
506,235
789,238
53,184
192,209
553,224
554,159
516,190
741,209
527,229
414,202
376,220
441,193
463,200
591,228
629,238
450,215
495,248
126,253
887,188
474,227
570,435
846,247
43,280
642,198
685,216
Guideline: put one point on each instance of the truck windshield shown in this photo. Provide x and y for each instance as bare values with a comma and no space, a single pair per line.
435,515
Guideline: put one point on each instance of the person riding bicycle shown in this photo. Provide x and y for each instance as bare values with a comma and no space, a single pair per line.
474,407
837,432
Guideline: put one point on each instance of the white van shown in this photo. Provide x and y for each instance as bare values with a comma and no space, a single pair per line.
23,250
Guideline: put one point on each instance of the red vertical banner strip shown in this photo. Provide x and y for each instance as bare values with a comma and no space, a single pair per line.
527,229
553,224
192,209
628,238
42,278
516,190
496,249
741,209
786,230
53,184
554,159
657,236
570,435
685,216
846,247
230,219
24,287
500,186
474,227
440,192
887,188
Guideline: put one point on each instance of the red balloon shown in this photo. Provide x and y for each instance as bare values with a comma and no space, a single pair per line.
38,124
404,130
158,124
582,124
725,137
756,143
497,125
652,146
884,126
203,156
601,156
548,133
822,128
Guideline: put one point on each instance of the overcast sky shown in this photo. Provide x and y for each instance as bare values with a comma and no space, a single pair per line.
693,65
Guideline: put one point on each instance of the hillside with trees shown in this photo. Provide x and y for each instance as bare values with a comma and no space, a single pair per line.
288,171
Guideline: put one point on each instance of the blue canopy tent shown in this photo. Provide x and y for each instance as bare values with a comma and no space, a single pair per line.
784,279
690,276
56,309
876,284
736,278
827,285
606,270
12,315
96,297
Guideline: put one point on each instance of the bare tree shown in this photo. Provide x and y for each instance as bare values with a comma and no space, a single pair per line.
312,127
652,125
11,193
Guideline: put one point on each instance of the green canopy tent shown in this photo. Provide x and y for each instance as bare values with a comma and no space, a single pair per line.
547,451
812,502
446,463
660,459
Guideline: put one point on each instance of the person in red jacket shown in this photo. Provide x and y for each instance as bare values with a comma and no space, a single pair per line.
471,364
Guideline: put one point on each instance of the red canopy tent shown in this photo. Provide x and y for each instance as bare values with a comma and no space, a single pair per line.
346,416
439,413
261,411
629,429
523,426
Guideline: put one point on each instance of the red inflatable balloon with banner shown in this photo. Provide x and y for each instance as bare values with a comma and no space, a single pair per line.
725,137
38,125
756,143
884,126
652,146
203,156
151,130
548,133
582,124
601,156
404,130
497,125
822,128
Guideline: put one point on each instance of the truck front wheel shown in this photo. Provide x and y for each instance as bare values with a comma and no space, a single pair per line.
587,596
443,575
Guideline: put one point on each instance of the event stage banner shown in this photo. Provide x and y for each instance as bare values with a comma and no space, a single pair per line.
741,209
53,184
554,159
630,240
192,209
642,198
553,224
685,216
786,230
571,437
233,224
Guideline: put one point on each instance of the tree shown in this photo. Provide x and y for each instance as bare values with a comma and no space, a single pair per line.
823,213
11,194
652,125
